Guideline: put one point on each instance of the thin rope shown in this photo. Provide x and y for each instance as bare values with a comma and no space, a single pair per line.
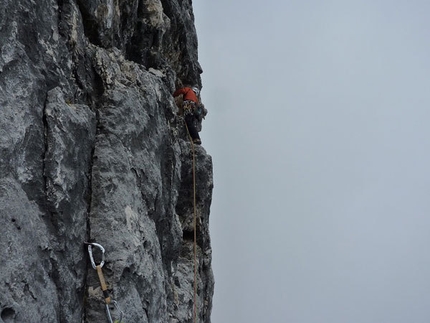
195,236
195,225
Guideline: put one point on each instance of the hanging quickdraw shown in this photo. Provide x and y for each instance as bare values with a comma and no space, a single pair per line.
108,299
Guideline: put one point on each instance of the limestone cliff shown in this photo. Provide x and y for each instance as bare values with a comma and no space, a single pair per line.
92,150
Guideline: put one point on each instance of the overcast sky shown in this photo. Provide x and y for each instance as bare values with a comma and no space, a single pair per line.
318,126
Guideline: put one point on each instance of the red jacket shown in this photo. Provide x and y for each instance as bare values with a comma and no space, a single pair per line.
188,93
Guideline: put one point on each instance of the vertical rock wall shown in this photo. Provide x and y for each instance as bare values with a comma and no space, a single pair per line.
92,150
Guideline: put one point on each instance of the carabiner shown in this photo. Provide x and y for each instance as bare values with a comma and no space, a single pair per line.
90,252
108,299
117,309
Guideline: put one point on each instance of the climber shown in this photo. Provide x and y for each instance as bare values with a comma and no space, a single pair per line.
192,110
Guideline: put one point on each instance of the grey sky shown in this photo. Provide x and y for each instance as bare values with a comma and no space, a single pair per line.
318,128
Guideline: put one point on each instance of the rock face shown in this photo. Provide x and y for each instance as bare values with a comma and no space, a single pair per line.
92,150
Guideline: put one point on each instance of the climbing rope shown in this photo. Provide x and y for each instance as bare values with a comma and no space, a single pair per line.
194,225
98,268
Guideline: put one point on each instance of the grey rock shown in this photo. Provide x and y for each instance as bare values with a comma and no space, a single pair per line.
28,293
92,150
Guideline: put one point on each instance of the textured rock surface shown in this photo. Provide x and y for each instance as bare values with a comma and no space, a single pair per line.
92,150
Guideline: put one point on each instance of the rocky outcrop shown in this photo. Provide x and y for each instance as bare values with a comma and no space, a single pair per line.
92,150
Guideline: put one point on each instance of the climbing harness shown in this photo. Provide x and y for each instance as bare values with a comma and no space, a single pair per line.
195,226
188,107
108,299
